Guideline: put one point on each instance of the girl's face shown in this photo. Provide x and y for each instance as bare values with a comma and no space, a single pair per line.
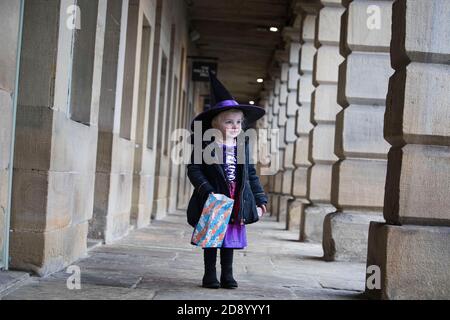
229,123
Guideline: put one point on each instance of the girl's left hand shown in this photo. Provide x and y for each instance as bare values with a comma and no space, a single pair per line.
264,208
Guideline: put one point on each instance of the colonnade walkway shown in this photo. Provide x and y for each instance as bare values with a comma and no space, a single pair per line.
158,262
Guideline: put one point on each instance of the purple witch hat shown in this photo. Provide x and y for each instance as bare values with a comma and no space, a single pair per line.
221,100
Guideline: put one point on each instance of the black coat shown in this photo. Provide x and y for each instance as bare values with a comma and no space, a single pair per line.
207,178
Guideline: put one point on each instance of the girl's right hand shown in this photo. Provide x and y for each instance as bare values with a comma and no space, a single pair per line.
260,211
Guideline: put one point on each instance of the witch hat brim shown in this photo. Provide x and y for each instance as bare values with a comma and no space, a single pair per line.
221,100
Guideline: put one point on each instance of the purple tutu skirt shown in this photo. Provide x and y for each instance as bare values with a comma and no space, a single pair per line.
236,235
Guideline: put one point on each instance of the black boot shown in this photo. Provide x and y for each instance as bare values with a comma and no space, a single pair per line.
210,277
226,262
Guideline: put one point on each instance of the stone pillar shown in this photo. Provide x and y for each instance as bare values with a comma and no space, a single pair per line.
263,145
9,20
183,191
277,178
304,126
324,109
412,249
177,184
268,85
359,177
160,100
292,38
188,115
56,135
115,154
284,176
183,119
143,165
180,77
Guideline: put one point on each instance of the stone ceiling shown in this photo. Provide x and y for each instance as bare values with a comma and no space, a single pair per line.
236,33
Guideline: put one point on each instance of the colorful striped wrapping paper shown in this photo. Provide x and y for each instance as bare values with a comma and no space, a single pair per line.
212,225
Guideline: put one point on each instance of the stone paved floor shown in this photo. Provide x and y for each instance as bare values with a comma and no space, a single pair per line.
157,262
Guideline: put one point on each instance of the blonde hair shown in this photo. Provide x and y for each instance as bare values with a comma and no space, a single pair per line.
218,116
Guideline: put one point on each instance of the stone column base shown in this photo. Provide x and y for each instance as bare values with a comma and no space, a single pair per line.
142,200
295,209
172,201
345,235
159,208
283,207
117,226
47,252
275,205
311,223
414,261
269,204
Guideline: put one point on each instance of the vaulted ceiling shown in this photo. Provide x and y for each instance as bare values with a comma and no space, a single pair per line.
236,32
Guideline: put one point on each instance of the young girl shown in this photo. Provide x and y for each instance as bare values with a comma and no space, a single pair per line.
232,178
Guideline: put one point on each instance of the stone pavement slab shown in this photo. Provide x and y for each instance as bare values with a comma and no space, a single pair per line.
158,262
11,279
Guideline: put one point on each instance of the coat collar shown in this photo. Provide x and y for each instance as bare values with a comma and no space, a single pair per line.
217,165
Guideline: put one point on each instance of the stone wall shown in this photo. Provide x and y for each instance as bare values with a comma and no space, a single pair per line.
87,133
